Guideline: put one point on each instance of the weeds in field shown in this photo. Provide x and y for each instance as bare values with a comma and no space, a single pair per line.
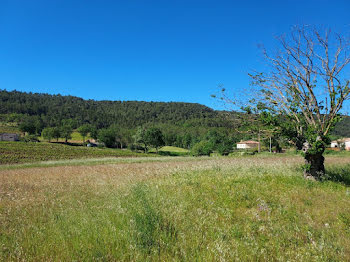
222,209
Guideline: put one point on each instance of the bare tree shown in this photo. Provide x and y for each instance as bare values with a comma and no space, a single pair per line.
306,82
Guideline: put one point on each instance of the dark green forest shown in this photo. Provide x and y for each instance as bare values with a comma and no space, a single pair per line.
52,109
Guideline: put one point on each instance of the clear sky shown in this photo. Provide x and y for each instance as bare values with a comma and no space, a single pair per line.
166,50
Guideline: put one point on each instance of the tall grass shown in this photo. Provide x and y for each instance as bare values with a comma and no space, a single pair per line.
246,209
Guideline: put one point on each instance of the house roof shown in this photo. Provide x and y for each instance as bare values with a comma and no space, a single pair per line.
248,142
341,140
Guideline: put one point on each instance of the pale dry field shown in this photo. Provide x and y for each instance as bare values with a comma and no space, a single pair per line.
30,185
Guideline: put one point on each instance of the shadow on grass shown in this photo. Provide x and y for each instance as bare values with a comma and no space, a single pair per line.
68,143
338,174
168,153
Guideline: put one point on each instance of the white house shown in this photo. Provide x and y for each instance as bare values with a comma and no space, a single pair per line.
347,144
334,144
340,143
247,144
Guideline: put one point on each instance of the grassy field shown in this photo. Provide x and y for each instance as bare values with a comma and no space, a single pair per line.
171,151
76,138
174,149
22,152
176,209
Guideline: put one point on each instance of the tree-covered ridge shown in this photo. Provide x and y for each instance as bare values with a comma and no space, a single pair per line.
172,117
52,109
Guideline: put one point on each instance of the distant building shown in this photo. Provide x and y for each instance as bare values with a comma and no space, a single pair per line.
334,144
247,144
345,142
9,137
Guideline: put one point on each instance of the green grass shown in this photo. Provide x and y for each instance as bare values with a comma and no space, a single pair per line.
22,152
227,209
76,137
342,153
171,151
97,161
174,149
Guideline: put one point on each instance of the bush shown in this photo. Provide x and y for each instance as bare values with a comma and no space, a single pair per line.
30,138
108,137
135,147
203,148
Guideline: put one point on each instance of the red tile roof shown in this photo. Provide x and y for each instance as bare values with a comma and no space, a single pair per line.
248,142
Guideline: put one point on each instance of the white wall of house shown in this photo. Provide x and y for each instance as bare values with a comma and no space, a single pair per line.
334,144
247,146
347,145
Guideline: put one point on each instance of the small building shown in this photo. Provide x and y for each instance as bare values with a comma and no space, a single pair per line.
334,144
341,143
9,137
247,144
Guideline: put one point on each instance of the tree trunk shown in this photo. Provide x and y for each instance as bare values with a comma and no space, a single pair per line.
314,163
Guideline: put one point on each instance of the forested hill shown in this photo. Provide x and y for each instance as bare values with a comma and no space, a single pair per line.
52,109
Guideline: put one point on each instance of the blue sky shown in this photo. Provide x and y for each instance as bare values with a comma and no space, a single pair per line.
169,50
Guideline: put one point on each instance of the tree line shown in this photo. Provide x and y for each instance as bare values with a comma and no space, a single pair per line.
145,138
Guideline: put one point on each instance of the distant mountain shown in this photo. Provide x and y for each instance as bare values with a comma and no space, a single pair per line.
343,127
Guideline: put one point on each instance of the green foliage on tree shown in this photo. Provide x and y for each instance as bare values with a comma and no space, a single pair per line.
139,139
108,136
31,125
84,131
154,138
66,129
27,126
48,133
94,132
56,133
202,148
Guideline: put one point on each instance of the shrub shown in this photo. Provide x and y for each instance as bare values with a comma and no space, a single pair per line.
108,137
135,147
30,138
203,148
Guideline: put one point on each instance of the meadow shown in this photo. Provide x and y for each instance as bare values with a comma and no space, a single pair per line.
255,208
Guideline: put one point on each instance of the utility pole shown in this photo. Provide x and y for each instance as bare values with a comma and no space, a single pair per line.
259,147
270,145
